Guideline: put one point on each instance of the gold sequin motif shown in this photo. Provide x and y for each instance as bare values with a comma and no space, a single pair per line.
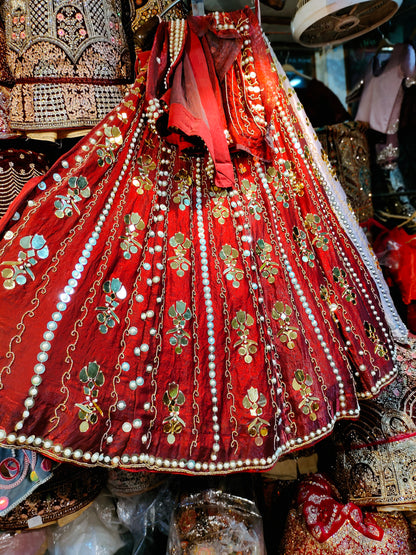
309,404
246,346
92,379
287,333
173,399
255,402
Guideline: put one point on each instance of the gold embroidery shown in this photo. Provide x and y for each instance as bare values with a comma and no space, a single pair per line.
34,247
129,243
180,314
247,347
113,139
173,398
268,268
309,404
232,273
180,245
307,254
297,186
312,224
180,196
326,294
340,278
220,211
254,402
92,378
287,333
142,182
249,189
122,116
77,190
107,317
379,348
128,103
274,176
72,54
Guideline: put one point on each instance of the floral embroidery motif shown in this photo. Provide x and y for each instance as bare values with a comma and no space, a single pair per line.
142,182
18,26
107,317
232,273
312,223
298,188
379,348
249,189
274,176
309,404
173,398
92,378
327,295
129,243
300,238
287,333
180,196
255,402
247,347
268,268
70,27
180,245
113,139
77,190
219,211
34,248
340,278
129,103
123,117
180,314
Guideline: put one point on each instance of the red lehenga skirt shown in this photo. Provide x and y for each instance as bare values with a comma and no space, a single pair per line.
176,292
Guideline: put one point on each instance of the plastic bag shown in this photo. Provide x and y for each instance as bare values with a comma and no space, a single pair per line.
147,516
96,531
27,543
216,523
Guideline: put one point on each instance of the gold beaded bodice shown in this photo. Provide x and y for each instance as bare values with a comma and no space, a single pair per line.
70,61
145,11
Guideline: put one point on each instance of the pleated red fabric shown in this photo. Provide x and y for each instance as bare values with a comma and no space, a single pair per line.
171,304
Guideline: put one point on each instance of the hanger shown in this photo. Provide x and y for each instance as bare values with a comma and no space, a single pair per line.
355,94
384,45
288,68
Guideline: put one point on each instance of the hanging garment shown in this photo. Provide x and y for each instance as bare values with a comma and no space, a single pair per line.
322,106
17,166
376,455
70,62
178,293
6,82
407,135
382,95
347,148
380,106
396,249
